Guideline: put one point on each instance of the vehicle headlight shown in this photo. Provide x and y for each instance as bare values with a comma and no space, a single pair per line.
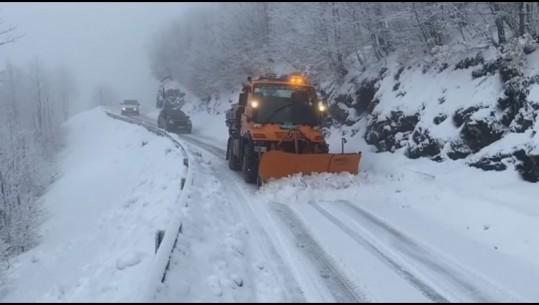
321,107
123,108
134,109
171,122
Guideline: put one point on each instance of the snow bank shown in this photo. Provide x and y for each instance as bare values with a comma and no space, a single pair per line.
482,219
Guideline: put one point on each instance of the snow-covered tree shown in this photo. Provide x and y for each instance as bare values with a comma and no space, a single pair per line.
105,95
32,113
213,48
66,90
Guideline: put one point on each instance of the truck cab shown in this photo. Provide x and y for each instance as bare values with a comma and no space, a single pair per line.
274,114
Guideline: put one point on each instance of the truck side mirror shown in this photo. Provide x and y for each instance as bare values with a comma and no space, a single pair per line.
230,117
243,99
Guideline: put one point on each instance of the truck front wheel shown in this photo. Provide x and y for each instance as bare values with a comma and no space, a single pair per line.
249,165
233,162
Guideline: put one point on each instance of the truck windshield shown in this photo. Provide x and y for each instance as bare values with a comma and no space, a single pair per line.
176,114
286,104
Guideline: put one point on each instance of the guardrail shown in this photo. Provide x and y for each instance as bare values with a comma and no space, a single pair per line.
166,241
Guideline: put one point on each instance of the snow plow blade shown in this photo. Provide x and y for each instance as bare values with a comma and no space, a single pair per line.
277,164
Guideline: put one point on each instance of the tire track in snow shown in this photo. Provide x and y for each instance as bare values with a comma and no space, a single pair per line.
291,289
420,285
216,151
443,270
461,279
227,257
342,288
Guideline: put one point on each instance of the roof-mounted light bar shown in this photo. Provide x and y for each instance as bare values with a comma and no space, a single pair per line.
296,79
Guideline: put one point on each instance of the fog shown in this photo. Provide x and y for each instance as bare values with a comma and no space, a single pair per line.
103,43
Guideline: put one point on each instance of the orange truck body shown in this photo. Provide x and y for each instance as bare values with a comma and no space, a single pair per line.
266,149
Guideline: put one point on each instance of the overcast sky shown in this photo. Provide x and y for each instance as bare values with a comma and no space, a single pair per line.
103,43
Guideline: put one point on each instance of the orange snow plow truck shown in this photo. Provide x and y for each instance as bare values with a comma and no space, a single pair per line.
274,131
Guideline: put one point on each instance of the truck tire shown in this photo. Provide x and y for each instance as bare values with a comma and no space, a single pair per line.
249,166
258,181
233,162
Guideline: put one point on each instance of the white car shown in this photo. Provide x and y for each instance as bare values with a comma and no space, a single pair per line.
130,107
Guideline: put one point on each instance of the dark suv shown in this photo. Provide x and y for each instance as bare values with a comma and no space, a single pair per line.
130,107
172,119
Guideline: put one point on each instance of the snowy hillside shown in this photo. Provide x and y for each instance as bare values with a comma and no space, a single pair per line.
118,186
477,107
481,108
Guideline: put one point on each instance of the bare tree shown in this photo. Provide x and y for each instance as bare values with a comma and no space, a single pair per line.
7,33
104,95
66,90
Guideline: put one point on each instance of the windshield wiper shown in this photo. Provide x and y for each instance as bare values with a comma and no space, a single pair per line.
277,111
294,122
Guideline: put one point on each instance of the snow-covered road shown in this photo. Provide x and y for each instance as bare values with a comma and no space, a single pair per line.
295,265
335,250
341,252
381,236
